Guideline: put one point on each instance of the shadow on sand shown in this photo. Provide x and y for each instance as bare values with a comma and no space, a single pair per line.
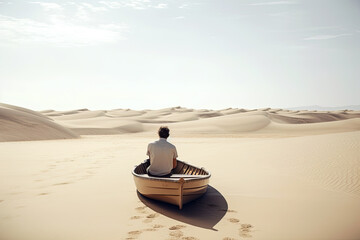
204,212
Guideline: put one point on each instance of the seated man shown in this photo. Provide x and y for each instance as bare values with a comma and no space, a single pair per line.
162,155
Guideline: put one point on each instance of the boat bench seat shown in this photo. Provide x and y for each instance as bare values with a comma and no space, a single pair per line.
187,176
176,176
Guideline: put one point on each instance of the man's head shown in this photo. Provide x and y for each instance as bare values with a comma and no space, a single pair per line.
164,132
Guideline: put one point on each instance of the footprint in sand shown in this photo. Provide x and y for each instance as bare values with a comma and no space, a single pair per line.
150,217
130,238
153,215
158,226
141,209
177,227
134,234
150,229
245,230
234,220
176,233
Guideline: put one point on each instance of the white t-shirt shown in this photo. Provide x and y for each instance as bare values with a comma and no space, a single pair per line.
161,155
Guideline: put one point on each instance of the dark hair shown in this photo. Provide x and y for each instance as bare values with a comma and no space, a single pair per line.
164,132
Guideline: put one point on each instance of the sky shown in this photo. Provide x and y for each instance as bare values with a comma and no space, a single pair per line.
152,54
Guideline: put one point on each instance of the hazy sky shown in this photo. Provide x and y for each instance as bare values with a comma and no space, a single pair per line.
198,54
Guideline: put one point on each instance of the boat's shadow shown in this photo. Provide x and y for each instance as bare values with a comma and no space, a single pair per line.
204,212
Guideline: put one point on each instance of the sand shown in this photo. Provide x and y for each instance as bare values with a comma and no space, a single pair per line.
20,124
190,122
276,174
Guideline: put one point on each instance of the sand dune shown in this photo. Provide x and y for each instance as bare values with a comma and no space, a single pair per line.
20,124
183,121
25,124
265,184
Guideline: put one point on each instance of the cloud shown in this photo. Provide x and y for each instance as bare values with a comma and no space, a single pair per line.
81,13
134,4
314,30
161,5
83,10
61,26
49,6
184,5
70,23
111,4
326,37
60,33
188,5
273,3
93,8
180,17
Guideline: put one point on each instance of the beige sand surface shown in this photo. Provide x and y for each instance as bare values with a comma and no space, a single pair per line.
23,124
263,122
20,124
273,177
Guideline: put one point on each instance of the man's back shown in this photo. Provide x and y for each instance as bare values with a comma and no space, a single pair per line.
161,155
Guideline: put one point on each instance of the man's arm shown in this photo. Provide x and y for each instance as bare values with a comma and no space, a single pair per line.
148,150
174,159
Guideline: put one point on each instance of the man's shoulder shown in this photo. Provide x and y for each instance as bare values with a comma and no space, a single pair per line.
163,143
153,143
171,145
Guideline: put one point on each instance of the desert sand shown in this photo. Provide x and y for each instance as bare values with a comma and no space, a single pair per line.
20,124
276,174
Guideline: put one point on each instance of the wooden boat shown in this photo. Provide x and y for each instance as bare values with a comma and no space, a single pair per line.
187,183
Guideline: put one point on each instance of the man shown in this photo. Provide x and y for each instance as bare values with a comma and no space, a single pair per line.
162,155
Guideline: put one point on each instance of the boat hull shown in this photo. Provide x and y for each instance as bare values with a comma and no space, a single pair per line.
178,189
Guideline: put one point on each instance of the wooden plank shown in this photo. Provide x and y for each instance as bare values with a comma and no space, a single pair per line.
185,176
181,181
